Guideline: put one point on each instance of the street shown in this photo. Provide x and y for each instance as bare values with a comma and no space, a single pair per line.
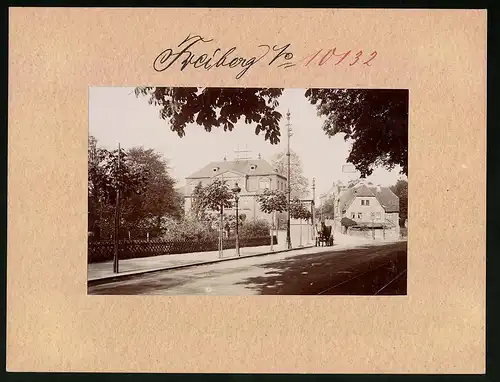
377,269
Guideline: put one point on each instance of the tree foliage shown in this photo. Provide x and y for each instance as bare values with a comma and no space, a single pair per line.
217,107
159,199
401,190
299,185
298,210
198,208
105,176
327,209
147,193
376,120
188,229
216,195
272,201
255,228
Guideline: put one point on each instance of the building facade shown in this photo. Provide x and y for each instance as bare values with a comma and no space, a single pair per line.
252,175
366,204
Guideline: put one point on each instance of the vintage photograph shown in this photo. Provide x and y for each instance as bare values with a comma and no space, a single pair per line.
247,191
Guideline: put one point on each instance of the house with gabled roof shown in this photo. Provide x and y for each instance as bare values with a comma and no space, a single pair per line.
252,175
369,206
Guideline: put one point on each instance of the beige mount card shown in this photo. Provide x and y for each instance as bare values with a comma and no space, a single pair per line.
57,55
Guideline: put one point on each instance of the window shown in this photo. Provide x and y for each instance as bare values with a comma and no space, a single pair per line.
360,215
362,202
353,215
264,183
252,184
367,202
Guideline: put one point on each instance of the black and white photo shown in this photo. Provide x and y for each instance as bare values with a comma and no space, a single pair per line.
247,191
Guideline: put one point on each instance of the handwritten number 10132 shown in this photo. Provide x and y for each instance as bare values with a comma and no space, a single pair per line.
321,57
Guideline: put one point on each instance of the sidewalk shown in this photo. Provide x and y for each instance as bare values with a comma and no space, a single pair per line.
102,271
97,271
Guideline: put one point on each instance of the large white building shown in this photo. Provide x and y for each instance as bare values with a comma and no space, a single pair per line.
252,175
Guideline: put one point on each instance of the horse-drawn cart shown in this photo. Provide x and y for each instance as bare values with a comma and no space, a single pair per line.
324,235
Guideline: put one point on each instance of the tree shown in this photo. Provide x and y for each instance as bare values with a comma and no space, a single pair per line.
159,199
217,107
299,185
327,209
401,191
376,120
216,196
104,178
272,202
298,210
198,205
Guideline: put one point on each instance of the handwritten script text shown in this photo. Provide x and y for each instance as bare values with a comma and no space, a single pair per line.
219,58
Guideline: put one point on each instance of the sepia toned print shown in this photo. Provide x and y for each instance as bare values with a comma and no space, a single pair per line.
248,191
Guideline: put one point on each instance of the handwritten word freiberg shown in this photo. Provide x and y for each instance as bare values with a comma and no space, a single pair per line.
218,58
344,57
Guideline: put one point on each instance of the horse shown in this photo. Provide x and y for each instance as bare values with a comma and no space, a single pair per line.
324,236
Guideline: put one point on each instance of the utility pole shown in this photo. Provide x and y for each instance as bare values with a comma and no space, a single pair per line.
313,210
289,134
117,214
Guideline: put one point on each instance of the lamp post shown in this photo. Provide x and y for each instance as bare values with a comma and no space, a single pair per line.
117,216
300,243
313,207
236,191
289,134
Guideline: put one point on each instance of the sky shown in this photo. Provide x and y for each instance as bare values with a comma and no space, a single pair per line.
116,115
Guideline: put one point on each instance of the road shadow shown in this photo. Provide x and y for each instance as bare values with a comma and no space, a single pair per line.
361,271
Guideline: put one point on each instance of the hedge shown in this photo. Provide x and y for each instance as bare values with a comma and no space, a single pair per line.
131,249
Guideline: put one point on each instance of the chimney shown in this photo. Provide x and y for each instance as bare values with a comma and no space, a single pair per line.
379,189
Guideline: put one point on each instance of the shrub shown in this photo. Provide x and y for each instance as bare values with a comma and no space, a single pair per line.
255,228
188,229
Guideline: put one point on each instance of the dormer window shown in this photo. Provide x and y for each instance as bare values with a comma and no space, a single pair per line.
253,167
215,169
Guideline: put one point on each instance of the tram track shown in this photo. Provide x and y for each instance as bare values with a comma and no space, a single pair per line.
354,278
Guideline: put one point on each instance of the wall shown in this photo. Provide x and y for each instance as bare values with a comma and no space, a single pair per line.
373,207
390,234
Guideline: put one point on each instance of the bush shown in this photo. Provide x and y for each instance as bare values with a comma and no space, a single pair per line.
188,229
255,228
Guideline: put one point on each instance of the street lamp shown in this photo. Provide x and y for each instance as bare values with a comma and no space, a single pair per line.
289,134
236,191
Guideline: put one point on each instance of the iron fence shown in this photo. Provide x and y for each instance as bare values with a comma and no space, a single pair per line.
128,249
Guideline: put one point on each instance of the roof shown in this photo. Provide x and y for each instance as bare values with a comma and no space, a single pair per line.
387,199
242,166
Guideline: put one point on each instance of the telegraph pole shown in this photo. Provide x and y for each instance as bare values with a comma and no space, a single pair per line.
289,134
313,209
117,214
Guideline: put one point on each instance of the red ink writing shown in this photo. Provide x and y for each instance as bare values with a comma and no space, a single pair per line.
321,57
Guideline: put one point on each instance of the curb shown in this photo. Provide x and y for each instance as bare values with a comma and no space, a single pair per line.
125,276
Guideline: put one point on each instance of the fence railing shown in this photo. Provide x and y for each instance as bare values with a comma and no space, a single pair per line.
128,249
